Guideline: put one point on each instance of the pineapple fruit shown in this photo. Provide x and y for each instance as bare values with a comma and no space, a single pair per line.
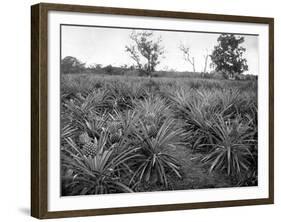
116,136
89,147
152,130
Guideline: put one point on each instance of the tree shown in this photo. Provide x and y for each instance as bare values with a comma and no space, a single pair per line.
227,56
146,51
70,64
186,55
206,56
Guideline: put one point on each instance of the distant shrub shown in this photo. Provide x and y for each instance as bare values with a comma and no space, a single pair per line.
71,64
109,69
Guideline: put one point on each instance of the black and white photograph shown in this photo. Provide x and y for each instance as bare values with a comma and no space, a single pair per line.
147,110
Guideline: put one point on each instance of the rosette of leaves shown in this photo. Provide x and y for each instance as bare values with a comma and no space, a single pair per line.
232,147
196,110
121,96
128,122
154,163
87,113
106,172
68,130
152,111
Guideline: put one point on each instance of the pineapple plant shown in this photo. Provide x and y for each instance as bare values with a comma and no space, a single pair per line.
150,117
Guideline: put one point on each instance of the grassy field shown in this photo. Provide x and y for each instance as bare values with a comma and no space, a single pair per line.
137,134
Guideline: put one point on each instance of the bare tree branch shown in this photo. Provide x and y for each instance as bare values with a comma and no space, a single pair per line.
186,55
206,56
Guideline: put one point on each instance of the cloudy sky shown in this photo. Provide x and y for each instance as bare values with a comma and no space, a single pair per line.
97,45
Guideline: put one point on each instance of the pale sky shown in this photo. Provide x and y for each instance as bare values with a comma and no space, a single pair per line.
99,45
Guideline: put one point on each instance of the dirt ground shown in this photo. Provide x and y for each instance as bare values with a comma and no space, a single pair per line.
195,175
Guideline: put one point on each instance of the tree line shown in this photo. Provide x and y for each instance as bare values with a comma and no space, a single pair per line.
147,50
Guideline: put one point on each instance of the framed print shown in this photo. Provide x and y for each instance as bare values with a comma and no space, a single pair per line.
139,110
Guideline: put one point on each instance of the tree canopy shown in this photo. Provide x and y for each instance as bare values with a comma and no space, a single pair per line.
146,51
227,56
71,64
